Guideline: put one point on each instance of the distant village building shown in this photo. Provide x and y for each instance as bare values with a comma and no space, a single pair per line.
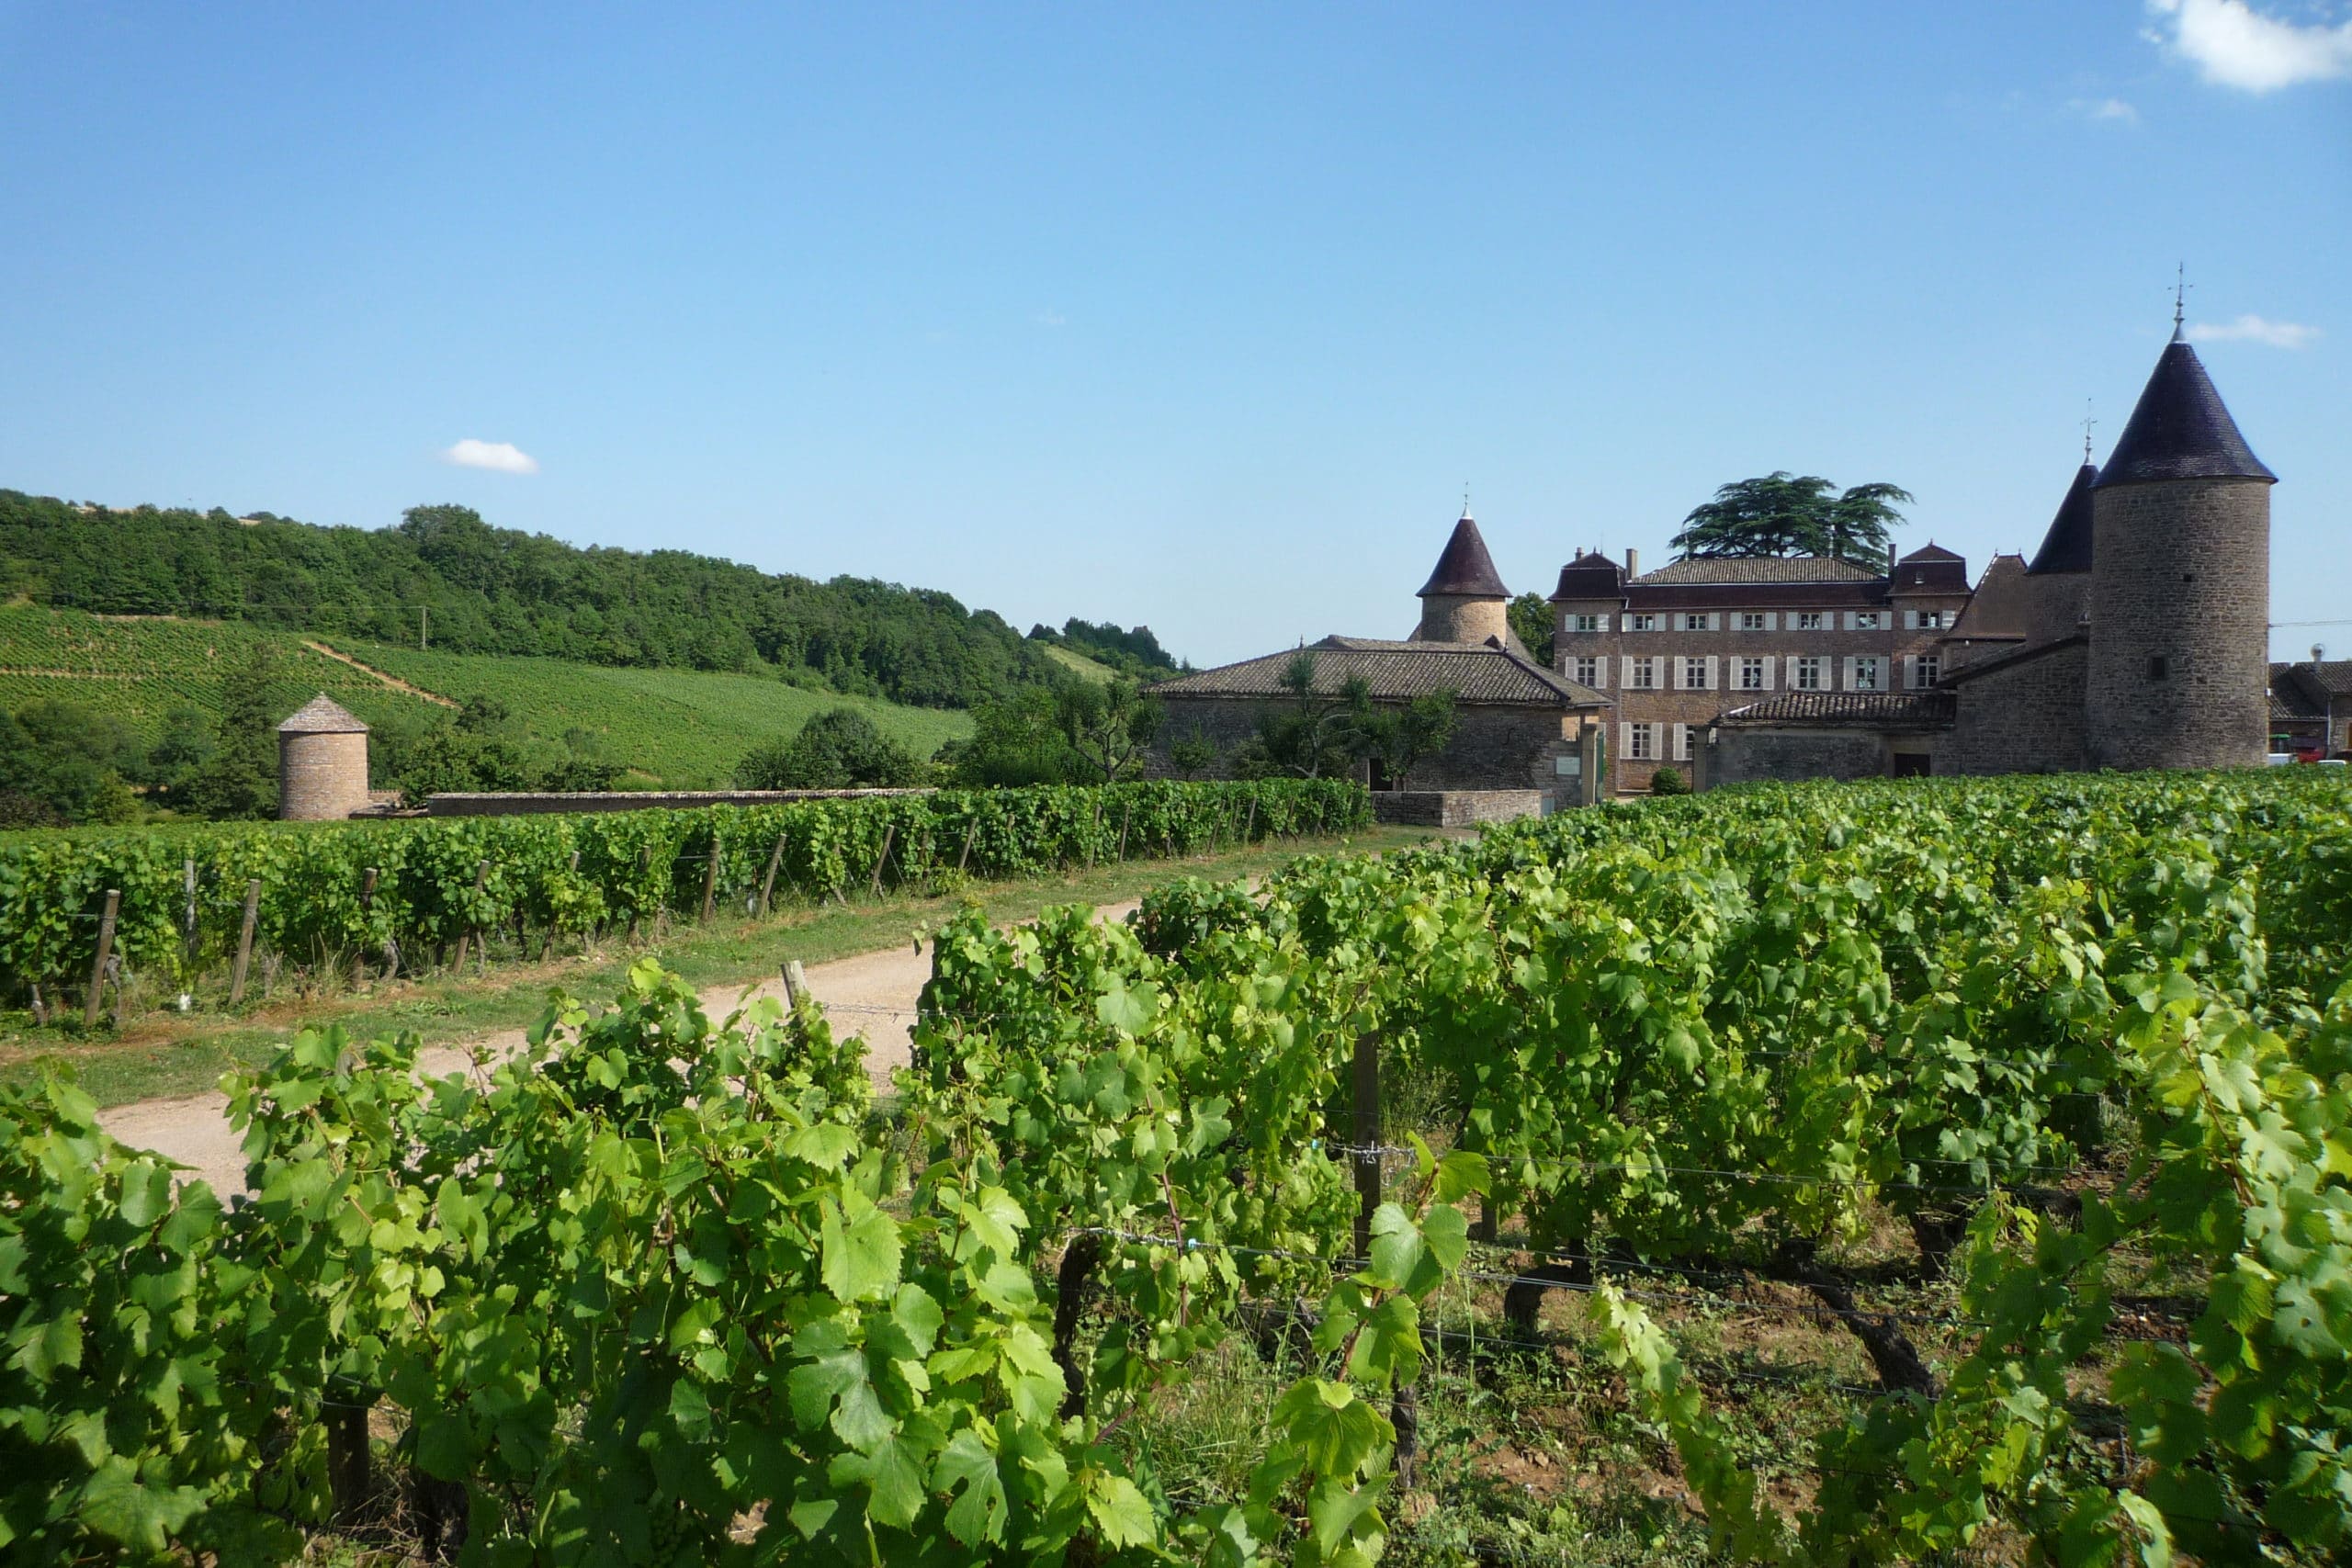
2311,707
1520,727
321,763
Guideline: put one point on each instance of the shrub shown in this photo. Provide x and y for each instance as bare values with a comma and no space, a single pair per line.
1669,781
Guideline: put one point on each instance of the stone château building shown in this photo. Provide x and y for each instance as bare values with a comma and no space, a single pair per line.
1520,725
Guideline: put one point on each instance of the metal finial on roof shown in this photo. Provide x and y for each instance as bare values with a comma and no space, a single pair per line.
2180,288
2087,423
1465,498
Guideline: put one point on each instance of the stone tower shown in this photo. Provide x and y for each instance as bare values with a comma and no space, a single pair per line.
2180,583
1465,599
321,763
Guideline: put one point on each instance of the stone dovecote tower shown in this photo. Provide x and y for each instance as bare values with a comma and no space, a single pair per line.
1465,599
321,763
2180,583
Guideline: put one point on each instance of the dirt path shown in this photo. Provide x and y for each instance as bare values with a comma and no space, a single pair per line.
394,681
873,994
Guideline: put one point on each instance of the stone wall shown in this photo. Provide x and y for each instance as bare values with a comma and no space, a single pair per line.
1494,745
1455,617
1455,807
321,775
1741,755
526,804
2024,718
2180,603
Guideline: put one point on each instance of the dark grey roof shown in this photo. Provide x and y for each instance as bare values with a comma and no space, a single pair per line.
1867,710
322,715
1593,576
2067,546
2290,698
1475,671
1976,667
2329,678
2179,430
1465,568
1758,568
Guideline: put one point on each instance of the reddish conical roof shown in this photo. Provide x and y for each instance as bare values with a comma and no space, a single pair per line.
2179,430
1465,569
2067,546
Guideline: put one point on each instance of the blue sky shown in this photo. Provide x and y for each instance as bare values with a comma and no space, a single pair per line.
1194,316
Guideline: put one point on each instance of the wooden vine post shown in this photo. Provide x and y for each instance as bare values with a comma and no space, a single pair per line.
348,1479
481,880
187,911
1125,818
767,882
710,877
969,834
245,942
1367,1137
889,830
99,967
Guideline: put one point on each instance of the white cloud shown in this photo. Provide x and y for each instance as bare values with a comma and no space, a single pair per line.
1051,319
499,457
2234,45
2105,108
2254,329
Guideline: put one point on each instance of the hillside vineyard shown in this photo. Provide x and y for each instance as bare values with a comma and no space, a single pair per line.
675,1284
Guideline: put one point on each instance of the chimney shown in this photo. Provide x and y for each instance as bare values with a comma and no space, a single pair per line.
1580,552
1890,560
1632,563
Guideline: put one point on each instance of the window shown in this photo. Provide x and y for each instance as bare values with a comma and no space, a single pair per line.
1641,742
1587,673
1866,620
2159,668
1694,674
1751,674
1697,622
1931,620
1866,674
1808,674
1644,674
1642,623
1753,621
1808,620
1587,623
1930,667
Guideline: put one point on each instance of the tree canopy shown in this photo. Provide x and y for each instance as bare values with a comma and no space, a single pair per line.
1782,513
839,749
446,575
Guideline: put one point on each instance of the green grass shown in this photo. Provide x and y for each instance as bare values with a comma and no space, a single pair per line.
139,669
1087,668
171,1055
685,728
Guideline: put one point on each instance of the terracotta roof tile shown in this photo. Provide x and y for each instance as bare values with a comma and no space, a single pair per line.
1868,710
1475,671
1758,568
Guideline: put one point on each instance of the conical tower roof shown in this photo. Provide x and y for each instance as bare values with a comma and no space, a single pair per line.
1465,569
2179,430
322,715
2067,546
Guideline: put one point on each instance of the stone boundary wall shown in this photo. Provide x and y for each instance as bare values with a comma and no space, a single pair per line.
524,805
1453,808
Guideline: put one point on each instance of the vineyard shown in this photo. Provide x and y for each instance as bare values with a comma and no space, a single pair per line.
192,904
1931,1171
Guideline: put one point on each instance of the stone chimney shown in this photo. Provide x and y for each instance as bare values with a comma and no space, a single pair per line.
1632,563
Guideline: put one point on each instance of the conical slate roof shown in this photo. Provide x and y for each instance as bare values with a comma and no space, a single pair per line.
1465,569
2180,431
2067,546
322,715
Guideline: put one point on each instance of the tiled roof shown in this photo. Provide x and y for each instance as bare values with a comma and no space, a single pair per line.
1475,671
1974,668
1868,710
2067,546
1870,593
1931,551
2179,430
322,715
1465,568
1758,568
2289,700
1589,576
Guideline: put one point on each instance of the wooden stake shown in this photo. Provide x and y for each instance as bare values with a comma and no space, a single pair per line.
1367,1160
105,951
644,865
795,983
187,913
41,1011
767,882
1251,825
367,890
710,877
482,879
245,942
889,829
969,834
1125,818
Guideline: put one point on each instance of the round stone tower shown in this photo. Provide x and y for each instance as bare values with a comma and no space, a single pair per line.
1465,599
2180,583
321,763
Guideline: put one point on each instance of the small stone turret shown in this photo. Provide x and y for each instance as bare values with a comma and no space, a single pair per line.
321,763
1465,599
2180,583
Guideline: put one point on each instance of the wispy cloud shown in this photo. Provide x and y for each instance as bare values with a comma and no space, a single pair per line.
2114,109
2234,45
2255,328
1050,318
498,456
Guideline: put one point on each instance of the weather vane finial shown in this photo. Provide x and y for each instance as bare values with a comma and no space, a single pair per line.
2087,423
1465,498
2180,288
